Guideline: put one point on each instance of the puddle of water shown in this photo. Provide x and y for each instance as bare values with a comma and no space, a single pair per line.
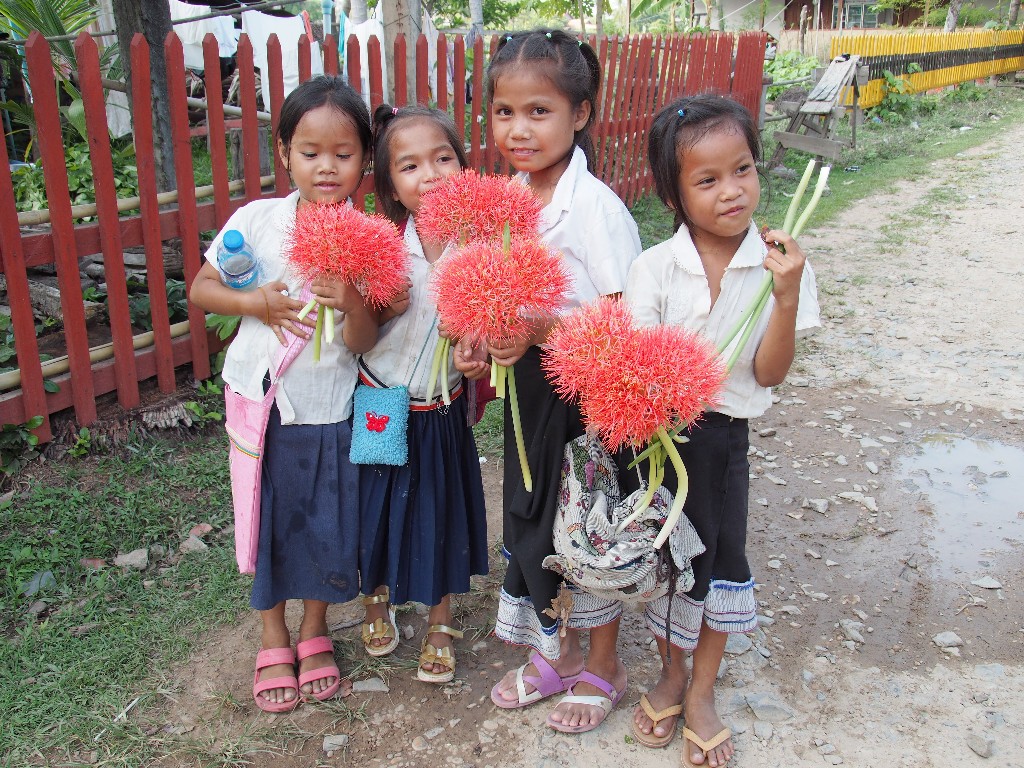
975,489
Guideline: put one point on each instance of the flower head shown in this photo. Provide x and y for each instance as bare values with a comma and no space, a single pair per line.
467,206
339,242
482,290
630,381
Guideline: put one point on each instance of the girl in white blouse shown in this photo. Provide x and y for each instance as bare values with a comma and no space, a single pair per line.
309,526
424,527
703,152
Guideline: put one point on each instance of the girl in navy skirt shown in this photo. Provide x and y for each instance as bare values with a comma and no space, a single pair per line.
309,524
703,152
424,523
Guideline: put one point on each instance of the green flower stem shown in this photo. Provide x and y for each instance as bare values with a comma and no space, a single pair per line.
819,190
494,376
517,425
762,301
798,196
681,489
446,395
655,447
317,334
655,474
328,314
766,285
435,367
307,309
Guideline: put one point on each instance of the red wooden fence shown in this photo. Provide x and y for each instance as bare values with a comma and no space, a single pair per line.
640,74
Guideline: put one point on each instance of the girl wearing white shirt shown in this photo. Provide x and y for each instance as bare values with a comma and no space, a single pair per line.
424,525
543,92
703,152
309,526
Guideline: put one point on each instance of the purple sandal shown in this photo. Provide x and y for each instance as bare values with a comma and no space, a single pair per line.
602,703
547,684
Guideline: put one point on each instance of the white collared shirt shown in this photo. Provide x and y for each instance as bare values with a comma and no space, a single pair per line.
405,350
667,284
308,393
592,229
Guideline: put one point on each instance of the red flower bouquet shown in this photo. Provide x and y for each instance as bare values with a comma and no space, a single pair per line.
340,243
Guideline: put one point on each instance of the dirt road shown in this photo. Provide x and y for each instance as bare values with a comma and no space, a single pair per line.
883,515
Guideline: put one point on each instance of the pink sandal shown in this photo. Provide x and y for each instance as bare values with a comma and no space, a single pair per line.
268,657
547,684
311,647
602,703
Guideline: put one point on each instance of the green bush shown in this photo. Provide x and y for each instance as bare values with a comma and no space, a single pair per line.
30,188
790,65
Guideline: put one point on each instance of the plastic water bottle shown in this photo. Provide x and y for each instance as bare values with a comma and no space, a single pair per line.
236,262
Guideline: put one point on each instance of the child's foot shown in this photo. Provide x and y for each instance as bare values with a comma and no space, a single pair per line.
276,639
440,614
555,676
703,720
380,635
573,716
655,725
316,654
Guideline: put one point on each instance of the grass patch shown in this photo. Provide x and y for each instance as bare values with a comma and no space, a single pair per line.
76,652
489,432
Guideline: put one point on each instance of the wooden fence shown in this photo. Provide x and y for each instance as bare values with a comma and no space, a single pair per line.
945,58
641,73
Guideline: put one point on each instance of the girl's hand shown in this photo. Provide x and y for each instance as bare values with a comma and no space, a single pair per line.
470,359
344,297
279,311
509,355
442,329
786,267
398,306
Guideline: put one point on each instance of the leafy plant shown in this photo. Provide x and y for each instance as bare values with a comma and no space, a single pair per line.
791,65
83,442
30,189
18,445
965,92
177,305
898,101
224,325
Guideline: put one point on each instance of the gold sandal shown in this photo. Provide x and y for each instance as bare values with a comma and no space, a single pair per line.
378,630
444,656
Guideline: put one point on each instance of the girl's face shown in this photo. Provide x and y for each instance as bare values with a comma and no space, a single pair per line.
719,187
325,157
534,122
420,157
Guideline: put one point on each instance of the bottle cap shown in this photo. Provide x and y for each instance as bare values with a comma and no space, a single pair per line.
233,240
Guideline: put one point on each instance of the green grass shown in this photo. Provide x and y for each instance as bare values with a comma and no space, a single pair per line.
64,678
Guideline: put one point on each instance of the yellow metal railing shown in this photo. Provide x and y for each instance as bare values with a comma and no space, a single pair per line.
946,58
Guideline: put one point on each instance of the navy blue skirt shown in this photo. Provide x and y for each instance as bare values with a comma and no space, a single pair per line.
424,524
309,518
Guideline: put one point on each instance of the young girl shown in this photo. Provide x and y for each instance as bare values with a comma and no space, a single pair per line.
309,534
424,527
543,88
703,151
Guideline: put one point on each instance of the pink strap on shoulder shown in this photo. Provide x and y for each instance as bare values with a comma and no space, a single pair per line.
285,355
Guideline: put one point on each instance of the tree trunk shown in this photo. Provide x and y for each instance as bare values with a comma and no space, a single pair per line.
1011,20
359,13
153,19
952,15
401,17
599,18
476,22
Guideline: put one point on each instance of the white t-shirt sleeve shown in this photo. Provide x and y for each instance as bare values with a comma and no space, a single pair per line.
808,312
613,244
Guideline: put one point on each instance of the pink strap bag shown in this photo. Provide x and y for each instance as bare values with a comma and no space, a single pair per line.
246,423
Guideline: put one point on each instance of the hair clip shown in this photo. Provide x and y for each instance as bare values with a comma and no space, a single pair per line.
508,38
682,113
547,35
394,111
580,42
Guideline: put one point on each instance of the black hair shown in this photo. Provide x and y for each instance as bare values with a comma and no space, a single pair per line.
386,120
680,125
576,71
315,93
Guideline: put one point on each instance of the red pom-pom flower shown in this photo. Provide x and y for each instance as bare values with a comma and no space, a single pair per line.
341,243
486,292
467,206
635,385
